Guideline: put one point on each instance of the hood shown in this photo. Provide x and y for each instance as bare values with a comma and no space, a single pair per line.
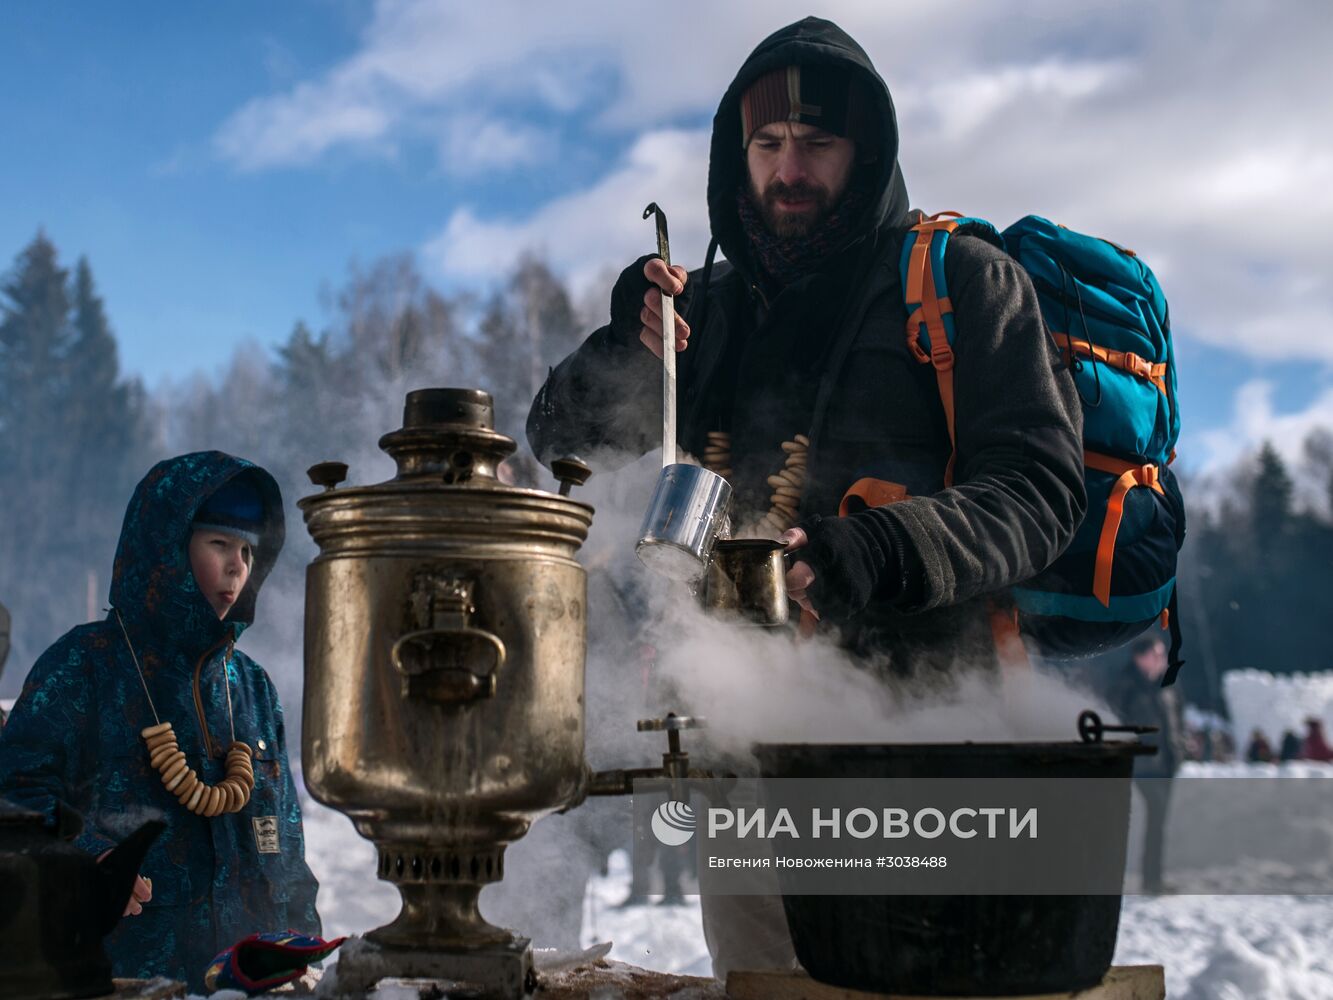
152,585
812,41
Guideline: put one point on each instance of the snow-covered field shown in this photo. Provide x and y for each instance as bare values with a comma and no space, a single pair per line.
1237,947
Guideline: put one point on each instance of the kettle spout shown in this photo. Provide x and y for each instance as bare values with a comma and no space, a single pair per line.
116,873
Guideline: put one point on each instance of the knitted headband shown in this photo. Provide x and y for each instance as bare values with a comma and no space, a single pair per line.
235,509
822,96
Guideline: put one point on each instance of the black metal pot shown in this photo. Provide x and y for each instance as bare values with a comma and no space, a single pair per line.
958,945
57,902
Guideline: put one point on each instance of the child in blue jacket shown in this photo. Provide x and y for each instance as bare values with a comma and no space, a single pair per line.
200,535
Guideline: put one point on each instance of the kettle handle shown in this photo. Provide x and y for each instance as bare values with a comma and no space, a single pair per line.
117,871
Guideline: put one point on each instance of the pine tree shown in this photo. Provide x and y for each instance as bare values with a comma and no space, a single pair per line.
1271,505
73,441
35,338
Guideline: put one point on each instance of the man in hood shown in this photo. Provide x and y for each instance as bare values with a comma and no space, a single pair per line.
801,332
796,381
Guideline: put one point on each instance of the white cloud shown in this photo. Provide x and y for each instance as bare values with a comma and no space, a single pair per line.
303,126
954,107
581,233
1255,420
1192,133
474,145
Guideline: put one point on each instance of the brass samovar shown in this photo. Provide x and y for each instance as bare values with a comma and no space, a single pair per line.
445,635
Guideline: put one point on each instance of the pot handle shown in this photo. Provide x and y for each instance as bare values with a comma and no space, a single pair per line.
447,660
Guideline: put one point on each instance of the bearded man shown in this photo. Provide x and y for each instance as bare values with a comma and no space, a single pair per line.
797,383
794,370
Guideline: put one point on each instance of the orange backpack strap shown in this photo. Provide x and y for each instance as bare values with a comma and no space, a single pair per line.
1129,475
870,493
927,312
1125,361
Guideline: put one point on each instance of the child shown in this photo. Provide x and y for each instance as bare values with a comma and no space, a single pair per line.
200,535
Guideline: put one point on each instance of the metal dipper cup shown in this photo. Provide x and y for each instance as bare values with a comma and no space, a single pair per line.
690,504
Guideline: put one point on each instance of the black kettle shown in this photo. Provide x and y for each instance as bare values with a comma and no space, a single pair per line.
58,902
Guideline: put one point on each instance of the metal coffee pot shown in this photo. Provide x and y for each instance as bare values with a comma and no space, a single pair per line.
746,582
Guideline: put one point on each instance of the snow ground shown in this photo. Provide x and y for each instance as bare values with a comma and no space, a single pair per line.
1237,947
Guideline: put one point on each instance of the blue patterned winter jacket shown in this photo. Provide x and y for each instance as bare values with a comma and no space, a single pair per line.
74,736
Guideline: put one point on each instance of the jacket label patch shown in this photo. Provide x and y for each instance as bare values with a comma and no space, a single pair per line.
266,834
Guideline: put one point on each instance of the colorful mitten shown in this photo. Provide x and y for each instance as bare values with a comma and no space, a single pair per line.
263,961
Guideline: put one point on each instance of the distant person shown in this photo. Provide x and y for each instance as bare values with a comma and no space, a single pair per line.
1137,697
1291,746
200,535
1315,746
1223,748
1260,751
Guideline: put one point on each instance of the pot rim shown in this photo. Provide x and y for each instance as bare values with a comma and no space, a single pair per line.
975,750
744,544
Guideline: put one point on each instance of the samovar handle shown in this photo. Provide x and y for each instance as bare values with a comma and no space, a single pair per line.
439,664
448,661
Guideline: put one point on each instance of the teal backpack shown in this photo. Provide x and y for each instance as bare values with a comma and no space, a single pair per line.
1109,318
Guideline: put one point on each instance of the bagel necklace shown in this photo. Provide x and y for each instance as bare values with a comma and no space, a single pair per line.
788,483
231,793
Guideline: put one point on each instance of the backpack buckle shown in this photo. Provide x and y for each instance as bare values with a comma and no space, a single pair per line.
941,356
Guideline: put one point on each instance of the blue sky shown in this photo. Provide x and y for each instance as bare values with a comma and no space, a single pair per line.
220,163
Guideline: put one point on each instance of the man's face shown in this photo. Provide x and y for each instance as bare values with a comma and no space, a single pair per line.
798,173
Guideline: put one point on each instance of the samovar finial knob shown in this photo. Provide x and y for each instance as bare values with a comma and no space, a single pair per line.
571,471
327,474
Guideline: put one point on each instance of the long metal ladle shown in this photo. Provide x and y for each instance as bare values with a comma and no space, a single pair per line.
690,505
668,343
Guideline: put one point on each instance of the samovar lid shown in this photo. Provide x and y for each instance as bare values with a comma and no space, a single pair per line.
448,454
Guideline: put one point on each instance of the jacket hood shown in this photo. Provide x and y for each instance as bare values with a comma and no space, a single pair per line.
812,41
152,585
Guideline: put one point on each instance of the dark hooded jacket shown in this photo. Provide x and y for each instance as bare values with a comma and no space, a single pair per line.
74,735
826,356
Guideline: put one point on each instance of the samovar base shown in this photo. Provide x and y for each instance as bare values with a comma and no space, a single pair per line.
497,971
441,914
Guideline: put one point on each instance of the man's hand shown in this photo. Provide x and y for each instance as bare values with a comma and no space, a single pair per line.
673,283
141,893
800,576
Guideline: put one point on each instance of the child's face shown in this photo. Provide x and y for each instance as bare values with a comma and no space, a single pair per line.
221,565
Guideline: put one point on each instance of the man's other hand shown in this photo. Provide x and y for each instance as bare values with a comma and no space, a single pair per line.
801,575
673,283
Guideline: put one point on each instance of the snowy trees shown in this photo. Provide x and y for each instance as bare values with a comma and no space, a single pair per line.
73,441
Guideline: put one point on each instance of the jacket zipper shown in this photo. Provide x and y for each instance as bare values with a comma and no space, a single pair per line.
198,697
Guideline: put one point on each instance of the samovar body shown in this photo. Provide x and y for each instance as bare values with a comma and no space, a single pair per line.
445,636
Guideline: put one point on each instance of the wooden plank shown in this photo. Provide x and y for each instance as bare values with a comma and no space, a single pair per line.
1125,982
147,989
